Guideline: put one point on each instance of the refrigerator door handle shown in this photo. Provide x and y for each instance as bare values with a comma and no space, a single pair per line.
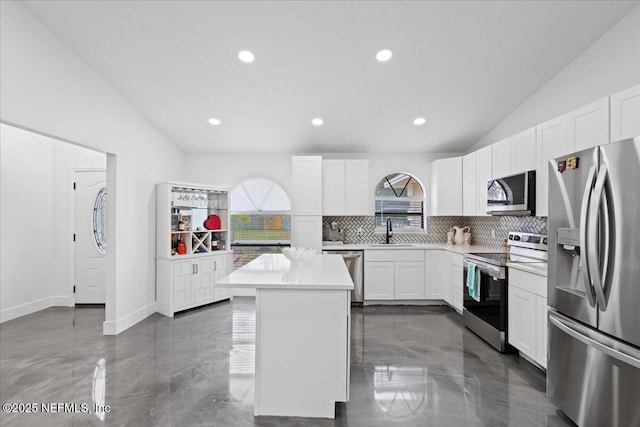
592,238
584,248
573,330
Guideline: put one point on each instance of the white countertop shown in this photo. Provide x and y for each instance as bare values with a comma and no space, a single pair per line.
274,271
459,249
539,268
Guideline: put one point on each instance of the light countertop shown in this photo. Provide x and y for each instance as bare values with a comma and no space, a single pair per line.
539,268
459,249
274,271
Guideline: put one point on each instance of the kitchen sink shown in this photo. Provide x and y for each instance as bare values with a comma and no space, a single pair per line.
391,245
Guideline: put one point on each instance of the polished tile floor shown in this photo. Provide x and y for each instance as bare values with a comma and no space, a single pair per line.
411,366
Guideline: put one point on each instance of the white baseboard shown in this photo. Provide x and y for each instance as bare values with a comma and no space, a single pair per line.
24,309
61,301
124,323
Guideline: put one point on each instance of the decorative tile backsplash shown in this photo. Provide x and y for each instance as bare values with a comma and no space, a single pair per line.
438,226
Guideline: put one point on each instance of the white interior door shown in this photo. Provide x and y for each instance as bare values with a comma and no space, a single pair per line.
89,245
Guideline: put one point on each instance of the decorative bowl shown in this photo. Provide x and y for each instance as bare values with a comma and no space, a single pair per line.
297,255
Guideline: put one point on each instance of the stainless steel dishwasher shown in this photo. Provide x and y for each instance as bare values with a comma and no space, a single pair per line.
354,261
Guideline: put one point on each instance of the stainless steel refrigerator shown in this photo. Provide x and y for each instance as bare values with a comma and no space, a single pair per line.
593,370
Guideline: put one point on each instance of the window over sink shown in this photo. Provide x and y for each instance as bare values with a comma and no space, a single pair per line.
401,197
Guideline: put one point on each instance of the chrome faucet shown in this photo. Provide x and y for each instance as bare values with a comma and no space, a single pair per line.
389,230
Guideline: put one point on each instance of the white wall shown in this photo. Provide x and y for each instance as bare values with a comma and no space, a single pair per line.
47,88
36,195
610,65
26,246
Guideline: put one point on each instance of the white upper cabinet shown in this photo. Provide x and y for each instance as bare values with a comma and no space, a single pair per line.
484,173
588,126
333,187
306,232
306,185
523,151
516,154
345,188
357,189
553,141
625,114
501,152
469,185
446,186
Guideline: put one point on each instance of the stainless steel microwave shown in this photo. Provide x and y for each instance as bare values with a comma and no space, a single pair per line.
512,195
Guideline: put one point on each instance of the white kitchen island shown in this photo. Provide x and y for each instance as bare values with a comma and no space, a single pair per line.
303,320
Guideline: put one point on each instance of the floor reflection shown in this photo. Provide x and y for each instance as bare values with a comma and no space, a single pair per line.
410,366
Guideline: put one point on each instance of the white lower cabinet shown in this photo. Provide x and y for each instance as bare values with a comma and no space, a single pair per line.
394,275
187,283
457,282
409,280
445,277
379,280
433,275
527,313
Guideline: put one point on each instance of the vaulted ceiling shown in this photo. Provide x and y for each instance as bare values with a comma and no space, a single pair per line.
462,65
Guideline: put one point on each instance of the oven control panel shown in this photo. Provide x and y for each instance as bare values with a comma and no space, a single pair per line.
528,240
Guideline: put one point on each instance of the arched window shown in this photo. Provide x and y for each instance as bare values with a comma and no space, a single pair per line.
260,219
400,196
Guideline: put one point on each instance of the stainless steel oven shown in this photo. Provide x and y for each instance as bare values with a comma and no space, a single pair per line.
486,312
488,316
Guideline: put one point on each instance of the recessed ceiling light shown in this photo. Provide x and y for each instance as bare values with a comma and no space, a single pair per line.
213,121
420,121
317,121
384,55
246,56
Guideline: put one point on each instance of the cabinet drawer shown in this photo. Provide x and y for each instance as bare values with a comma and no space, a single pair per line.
529,282
394,255
456,259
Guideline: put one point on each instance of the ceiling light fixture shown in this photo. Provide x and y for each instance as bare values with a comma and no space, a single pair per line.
246,56
213,121
384,55
317,121
420,121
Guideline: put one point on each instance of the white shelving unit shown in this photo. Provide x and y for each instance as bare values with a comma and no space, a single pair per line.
192,254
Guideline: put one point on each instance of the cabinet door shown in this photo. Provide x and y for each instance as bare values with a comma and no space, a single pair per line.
409,280
625,114
522,321
469,185
589,125
524,151
357,192
333,187
221,268
183,272
552,142
501,153
432,275
306,231
445,276
457,295
306,177
446,186
203,280
541,331
379,279
484,169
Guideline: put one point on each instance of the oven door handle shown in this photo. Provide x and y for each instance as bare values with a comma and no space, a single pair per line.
492,270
